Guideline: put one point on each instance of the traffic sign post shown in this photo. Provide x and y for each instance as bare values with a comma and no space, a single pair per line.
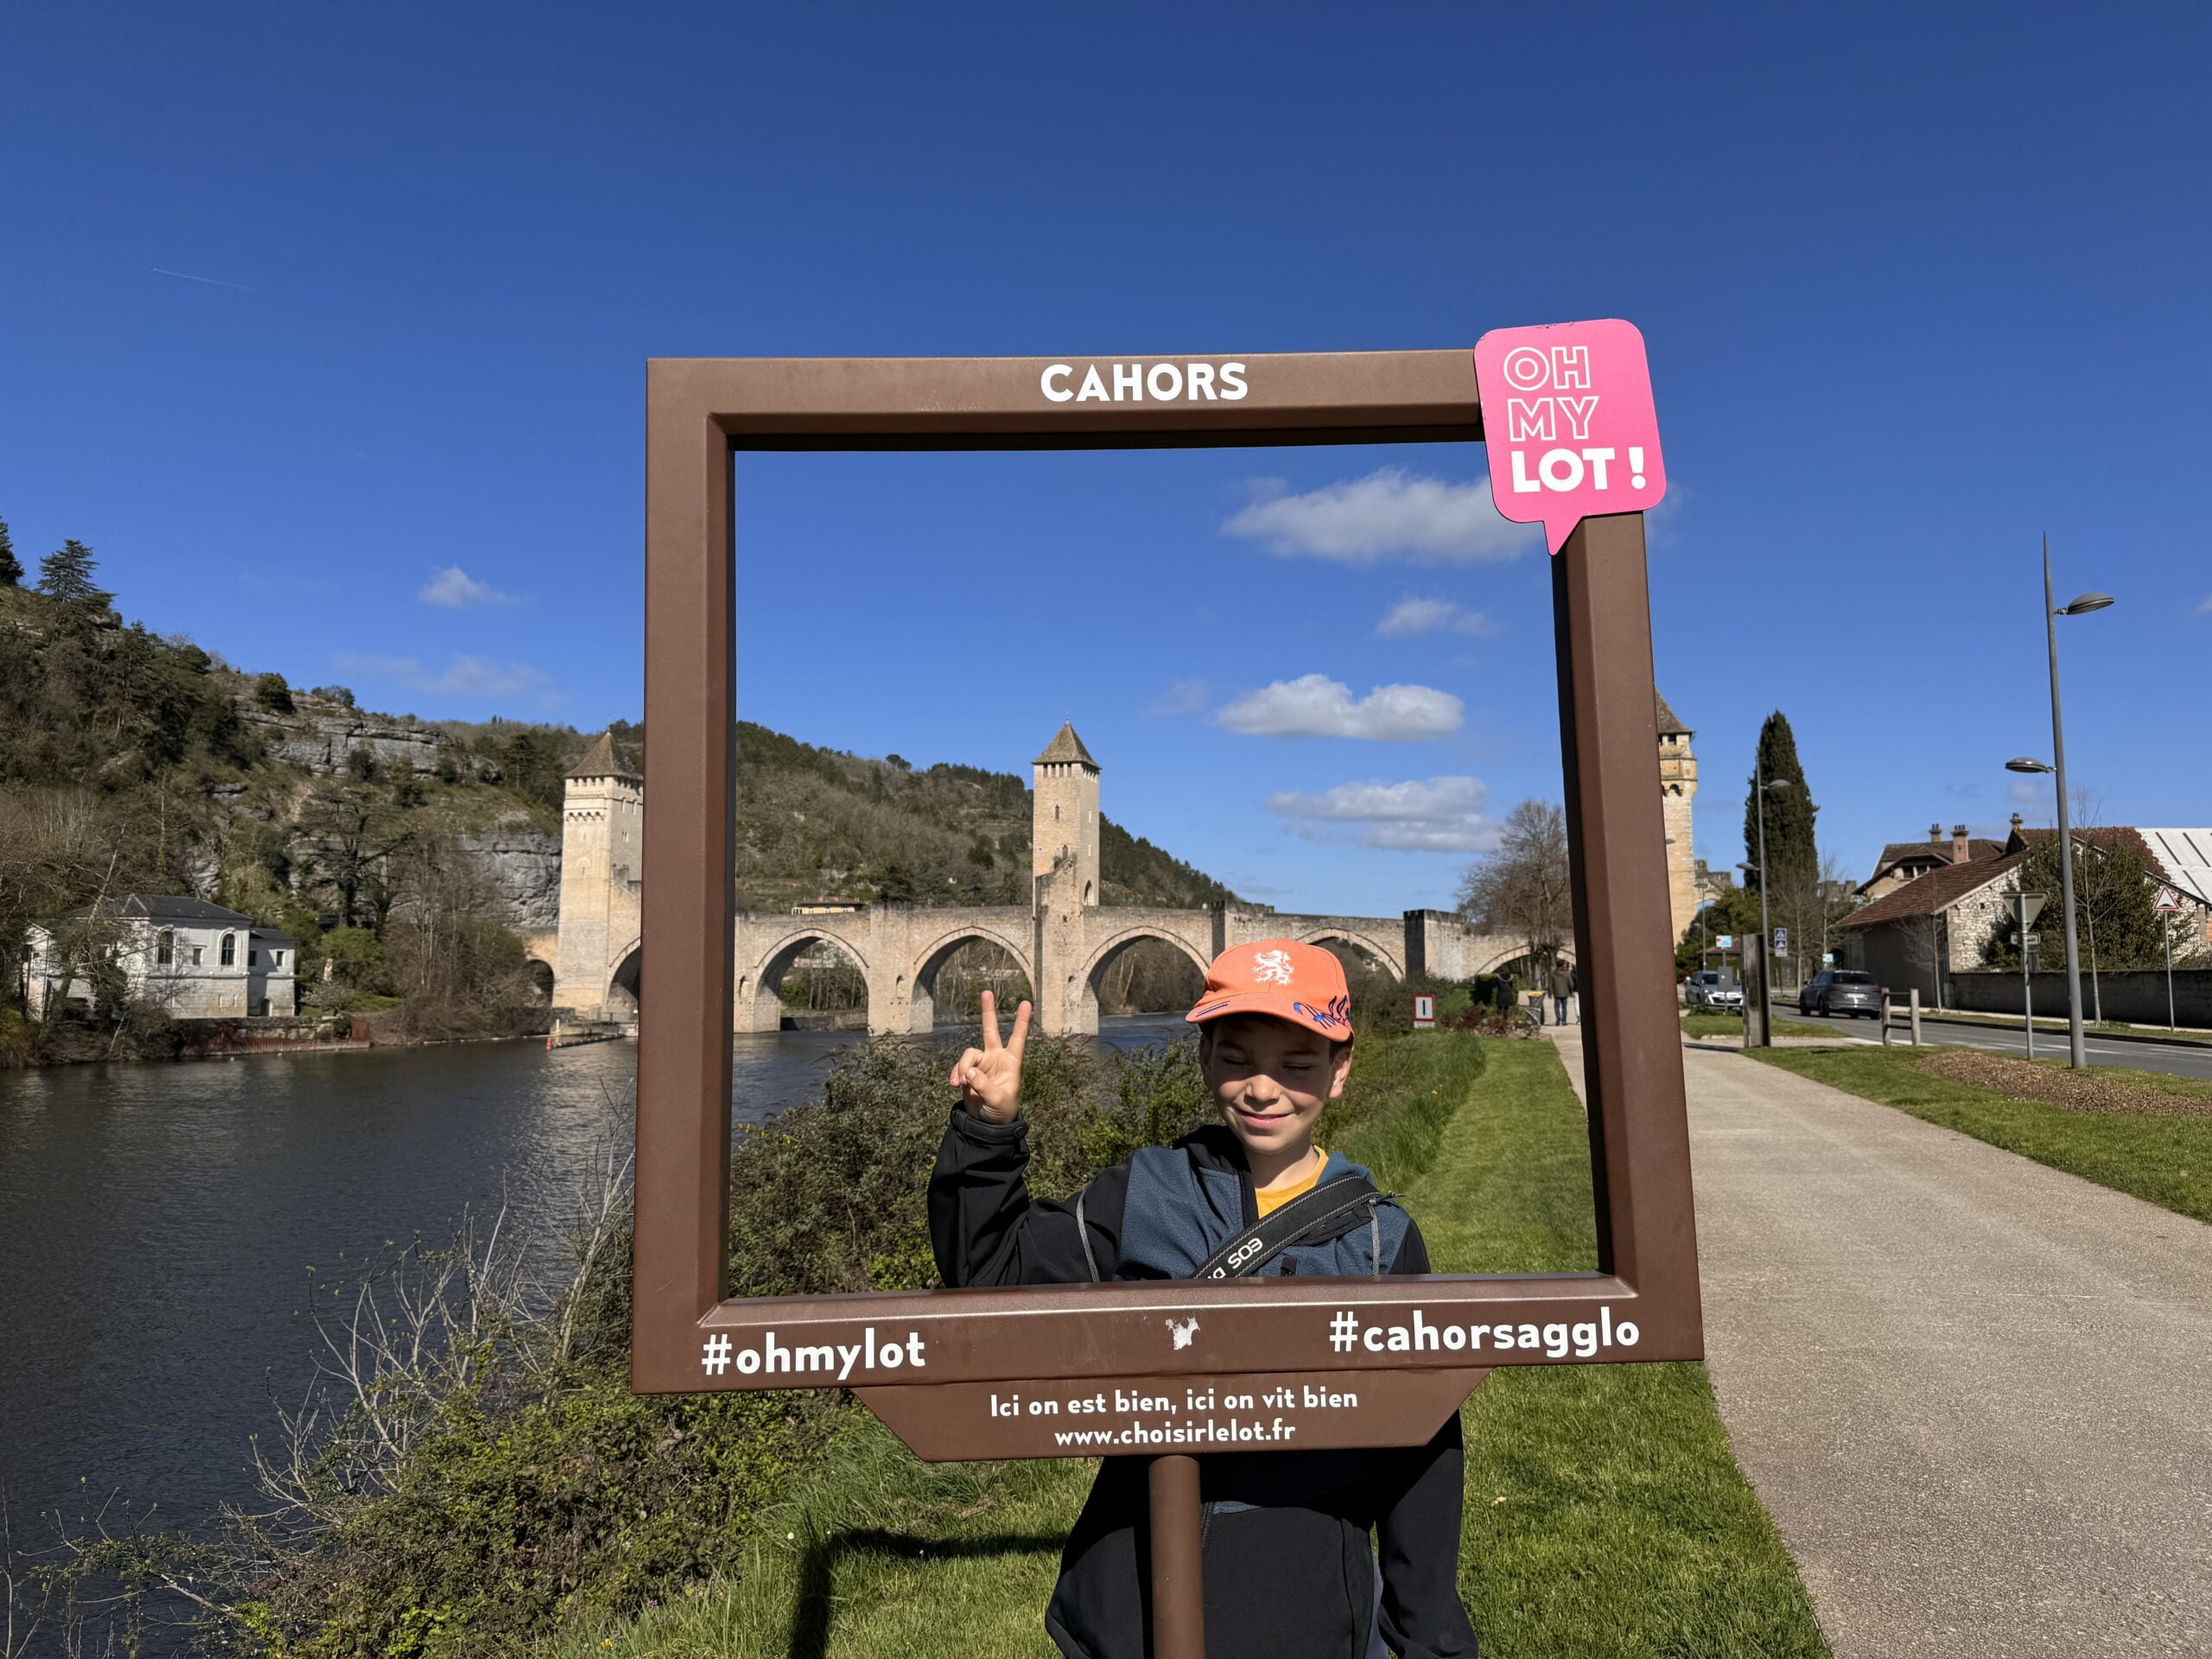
1424,1014
1167,1368
1781,945
2167,903
2027,907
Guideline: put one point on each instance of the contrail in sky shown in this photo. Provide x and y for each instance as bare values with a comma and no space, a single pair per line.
213,282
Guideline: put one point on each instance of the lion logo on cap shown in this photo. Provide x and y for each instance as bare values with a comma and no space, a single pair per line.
1271,967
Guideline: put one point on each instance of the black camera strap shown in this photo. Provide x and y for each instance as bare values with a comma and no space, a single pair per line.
1318,1214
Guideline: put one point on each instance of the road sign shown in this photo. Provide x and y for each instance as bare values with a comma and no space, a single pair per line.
1424,1014
2032,939
1725,942
2031,906
2167,900
1780,942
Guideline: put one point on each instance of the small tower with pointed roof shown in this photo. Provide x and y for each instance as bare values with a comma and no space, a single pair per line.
1678,794
602,829
1064,815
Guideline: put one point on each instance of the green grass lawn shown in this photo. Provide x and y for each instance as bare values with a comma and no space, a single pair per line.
1605,1515
1703,1023
2164,1161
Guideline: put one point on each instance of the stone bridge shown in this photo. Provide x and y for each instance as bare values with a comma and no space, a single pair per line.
1064,943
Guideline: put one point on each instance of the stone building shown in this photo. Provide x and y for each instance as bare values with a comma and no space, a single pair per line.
1678,789
1924,931
192,959
602,862
1905,861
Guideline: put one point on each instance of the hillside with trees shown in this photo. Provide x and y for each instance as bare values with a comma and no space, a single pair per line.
409,858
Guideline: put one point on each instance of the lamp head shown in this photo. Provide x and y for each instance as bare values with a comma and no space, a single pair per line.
2025,763
2085,604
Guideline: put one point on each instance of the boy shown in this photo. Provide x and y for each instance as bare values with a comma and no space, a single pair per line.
1289,1572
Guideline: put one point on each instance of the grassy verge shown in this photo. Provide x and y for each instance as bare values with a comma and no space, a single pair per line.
2162,1159
1605,1515
1732,1025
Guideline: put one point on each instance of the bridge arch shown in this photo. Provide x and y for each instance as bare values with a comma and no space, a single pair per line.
1516,956
625,989
1084,983
1385,954
920,986
759,997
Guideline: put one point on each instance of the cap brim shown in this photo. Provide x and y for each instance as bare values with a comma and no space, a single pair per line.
1220,1007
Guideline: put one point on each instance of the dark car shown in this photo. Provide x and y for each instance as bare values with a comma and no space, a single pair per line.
1841,990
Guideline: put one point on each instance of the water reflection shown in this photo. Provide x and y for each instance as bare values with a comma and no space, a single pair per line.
159,1223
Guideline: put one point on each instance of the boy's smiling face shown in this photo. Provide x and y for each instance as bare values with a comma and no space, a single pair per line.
1270,1078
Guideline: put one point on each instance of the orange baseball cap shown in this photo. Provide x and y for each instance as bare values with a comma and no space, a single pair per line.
1301,983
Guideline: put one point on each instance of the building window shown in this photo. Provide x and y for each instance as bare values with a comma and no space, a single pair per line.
230,950
276,958
252,957
1056,815
165,947
195,956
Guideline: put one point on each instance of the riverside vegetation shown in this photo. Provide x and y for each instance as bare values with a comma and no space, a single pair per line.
406,857
477,1479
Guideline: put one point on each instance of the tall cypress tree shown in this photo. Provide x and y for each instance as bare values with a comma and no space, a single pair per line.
11,568
1790,848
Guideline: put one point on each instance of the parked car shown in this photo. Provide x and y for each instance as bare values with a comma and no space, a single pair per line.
1840,990
1710,987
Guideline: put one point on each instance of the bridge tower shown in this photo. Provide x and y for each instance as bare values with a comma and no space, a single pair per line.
602,824
1678,795
1063,860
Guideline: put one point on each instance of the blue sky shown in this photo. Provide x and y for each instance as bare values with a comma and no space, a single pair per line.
302,308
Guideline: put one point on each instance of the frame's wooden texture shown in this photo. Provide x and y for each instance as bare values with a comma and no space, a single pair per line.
699,412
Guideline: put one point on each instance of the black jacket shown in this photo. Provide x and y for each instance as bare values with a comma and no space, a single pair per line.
1289,1570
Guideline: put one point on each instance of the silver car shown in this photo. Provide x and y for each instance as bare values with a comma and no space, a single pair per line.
1840,990
1710,987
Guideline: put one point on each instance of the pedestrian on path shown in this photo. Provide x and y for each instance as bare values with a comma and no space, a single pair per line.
1562,987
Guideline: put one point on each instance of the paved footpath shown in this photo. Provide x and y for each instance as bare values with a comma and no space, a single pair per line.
1975,1393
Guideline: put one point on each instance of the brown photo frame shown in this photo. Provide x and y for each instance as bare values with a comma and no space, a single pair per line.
688,1337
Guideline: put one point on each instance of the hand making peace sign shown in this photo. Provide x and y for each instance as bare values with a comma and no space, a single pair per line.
990,1078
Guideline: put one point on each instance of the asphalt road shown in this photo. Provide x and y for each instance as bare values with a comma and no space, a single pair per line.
2182,1059
1969,1388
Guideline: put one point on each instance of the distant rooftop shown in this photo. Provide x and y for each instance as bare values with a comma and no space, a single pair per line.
1064,747
162,907
1668,720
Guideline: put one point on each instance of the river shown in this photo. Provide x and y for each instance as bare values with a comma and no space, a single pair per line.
159,1223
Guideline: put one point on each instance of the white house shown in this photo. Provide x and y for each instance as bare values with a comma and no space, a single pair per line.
196,960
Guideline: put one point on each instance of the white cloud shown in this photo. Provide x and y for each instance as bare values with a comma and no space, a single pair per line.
1389,512
2205,609
1410,617
1313,705
457,590
1440,815
1184,697
2029,791
463,675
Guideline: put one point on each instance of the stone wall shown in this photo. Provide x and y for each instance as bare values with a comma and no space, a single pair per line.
2139,998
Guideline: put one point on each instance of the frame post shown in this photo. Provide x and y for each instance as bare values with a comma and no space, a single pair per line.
689,922
1178,1599
1608,735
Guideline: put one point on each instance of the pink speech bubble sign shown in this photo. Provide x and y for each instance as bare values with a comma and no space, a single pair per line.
1567,412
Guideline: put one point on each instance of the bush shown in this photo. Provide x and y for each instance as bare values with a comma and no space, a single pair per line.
491,1482
271,693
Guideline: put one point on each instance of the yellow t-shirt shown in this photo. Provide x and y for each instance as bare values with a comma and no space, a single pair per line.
1275,1198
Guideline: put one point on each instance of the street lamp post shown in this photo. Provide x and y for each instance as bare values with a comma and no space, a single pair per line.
2077,1055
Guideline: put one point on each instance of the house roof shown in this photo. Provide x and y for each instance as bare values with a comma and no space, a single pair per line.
274,936
1934,852
1668,720
1934,892
1065,746
162,907
2187,856
600,761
